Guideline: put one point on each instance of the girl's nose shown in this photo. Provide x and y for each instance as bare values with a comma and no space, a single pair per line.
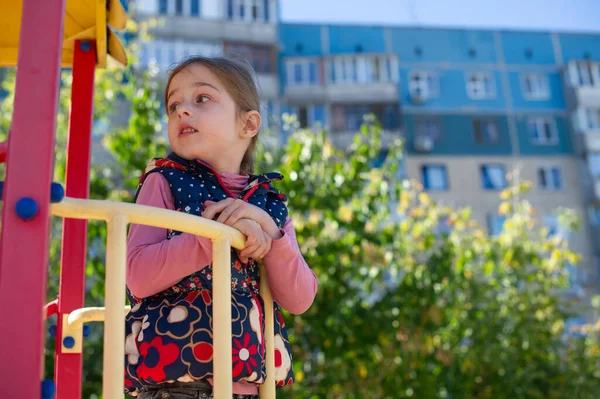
184,110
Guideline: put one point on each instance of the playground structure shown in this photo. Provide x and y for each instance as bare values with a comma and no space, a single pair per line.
40,37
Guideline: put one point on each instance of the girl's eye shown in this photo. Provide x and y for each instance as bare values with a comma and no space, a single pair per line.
173,107
202,99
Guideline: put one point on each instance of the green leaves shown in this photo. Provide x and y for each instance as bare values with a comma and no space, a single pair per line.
430,305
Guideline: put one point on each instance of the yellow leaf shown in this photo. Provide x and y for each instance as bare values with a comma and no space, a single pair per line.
362,370
504,208
345,213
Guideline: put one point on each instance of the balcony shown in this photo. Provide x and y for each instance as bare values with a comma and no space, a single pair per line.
359,93
363,92
344,139
585,96
588,141
193,28
306,94
268,85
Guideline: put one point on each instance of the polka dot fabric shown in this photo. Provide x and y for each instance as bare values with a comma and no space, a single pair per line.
169,335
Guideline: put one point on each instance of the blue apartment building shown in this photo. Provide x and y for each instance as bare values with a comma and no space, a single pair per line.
477,108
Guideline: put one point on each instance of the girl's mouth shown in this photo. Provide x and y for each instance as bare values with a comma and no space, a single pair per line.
186,130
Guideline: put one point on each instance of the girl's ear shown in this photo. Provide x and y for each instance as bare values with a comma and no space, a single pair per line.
252,125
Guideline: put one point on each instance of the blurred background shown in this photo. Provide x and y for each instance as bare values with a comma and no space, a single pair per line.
478,89
442,160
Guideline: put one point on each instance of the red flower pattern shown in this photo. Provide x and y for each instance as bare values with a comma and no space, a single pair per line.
156,356
243,354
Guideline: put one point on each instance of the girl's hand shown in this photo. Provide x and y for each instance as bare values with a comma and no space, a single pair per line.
258,243
233,210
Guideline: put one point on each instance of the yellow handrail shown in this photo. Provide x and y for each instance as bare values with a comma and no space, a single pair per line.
149,216
118,215
85,315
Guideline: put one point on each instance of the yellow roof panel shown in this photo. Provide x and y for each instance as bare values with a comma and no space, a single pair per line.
84,20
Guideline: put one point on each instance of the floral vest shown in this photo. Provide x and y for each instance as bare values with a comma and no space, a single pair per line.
169,335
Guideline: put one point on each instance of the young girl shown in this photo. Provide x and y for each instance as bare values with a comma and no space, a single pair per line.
212,106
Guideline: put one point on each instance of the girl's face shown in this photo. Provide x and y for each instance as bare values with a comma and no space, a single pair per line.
204,122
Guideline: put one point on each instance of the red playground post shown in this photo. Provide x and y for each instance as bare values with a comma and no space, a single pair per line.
68,366
25,215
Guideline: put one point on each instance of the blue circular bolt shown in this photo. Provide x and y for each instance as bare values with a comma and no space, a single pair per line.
52,331
86,330
57,193
69,342
85,46
48,389
26,208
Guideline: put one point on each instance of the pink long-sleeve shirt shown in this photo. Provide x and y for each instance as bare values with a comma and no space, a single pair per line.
155,263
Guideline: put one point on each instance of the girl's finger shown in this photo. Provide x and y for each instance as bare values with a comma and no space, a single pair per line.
251,251
227,211
236,215
212,208
250,241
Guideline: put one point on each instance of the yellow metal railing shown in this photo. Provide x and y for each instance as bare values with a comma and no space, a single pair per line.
118,215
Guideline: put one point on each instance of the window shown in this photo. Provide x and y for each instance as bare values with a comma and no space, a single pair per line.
429,127
302,72
584,73
260,57
594,161
249,10
480,85
162,7
312,72
550,178
592,116
535,86
303,117
423,84
435,177
542,131
351,117
266,6
485,131
493,177
309,116
495,224
178,7
230,9
362,69
195,8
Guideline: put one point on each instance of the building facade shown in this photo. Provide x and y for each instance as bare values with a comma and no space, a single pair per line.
477,108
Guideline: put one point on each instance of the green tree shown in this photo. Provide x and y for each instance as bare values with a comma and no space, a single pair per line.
427,305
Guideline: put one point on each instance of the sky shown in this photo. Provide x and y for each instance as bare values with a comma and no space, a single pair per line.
555,15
